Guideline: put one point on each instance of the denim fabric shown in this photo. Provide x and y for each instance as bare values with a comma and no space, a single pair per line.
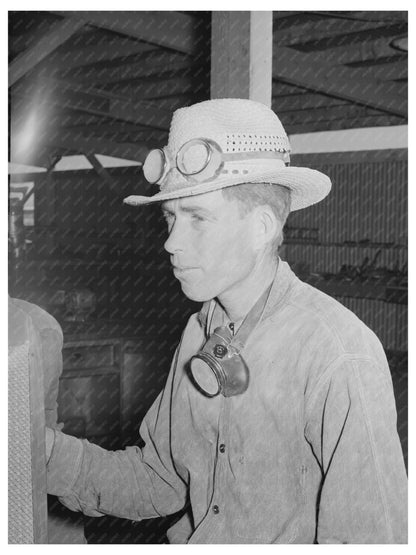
309,453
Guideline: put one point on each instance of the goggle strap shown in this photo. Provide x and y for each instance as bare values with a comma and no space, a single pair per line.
263,155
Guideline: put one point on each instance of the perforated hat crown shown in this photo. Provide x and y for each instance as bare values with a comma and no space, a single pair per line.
251,131
236,125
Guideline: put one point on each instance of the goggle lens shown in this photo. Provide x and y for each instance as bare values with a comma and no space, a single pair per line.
154,165
193,157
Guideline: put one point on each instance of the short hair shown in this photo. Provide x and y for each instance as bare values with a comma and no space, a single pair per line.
250,195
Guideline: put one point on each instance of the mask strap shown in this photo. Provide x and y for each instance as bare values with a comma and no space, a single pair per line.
251,320
206,316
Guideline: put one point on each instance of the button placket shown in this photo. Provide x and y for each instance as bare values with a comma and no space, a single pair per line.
219,479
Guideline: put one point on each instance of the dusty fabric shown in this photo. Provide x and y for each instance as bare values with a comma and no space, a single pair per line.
309,453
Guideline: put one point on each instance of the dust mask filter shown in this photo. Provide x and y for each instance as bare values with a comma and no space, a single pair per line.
219,367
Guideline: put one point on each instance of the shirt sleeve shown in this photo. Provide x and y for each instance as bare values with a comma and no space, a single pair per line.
351,428
132,483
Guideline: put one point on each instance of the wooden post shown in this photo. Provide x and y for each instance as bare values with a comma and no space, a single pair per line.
241,55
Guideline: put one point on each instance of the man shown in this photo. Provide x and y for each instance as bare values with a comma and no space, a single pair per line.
277,421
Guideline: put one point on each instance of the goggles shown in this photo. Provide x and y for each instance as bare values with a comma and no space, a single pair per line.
200,160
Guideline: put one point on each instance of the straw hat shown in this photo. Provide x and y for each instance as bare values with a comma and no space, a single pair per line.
243,141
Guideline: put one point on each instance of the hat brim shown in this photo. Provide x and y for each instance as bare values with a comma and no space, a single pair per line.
307,187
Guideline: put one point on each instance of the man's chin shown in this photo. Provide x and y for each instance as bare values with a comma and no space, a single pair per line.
195,295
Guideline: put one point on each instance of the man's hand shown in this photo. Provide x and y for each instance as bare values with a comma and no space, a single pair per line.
49,442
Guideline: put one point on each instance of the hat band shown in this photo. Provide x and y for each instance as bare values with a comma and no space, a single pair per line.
257,155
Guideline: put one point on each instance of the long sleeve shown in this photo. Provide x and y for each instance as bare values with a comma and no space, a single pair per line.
351,427
133,483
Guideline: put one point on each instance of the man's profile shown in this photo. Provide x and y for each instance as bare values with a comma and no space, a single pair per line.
277,423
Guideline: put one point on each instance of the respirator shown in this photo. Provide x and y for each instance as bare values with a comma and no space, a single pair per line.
219,366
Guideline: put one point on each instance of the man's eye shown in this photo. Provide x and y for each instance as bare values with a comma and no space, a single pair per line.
197,218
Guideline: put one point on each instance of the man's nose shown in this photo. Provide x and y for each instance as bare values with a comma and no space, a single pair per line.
176,240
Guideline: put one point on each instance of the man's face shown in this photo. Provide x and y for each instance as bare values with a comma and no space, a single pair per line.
211,245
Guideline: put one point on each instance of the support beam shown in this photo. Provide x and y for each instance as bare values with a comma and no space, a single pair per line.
302,69
241,55
173,30
99,168
59,33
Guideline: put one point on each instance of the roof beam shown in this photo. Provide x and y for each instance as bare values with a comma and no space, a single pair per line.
303,70
57,35
104,51
93,145
171,86
173,30
332,28
152,64
383,72
368,50
387,32
304,101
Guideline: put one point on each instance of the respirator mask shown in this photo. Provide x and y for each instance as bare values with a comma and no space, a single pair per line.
219,368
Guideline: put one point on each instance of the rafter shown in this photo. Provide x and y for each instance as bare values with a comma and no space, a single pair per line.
368,50
319,44
169,29
343,82
57,35
104,51
328,28
179,85
149,65
306,101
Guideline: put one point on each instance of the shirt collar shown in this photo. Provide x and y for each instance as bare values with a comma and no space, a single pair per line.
281,285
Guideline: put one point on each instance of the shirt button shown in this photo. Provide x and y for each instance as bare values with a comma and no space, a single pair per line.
215,509
222,448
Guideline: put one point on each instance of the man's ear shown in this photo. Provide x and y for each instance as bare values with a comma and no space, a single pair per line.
267,226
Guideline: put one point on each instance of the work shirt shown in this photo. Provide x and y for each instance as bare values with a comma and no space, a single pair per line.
309,453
